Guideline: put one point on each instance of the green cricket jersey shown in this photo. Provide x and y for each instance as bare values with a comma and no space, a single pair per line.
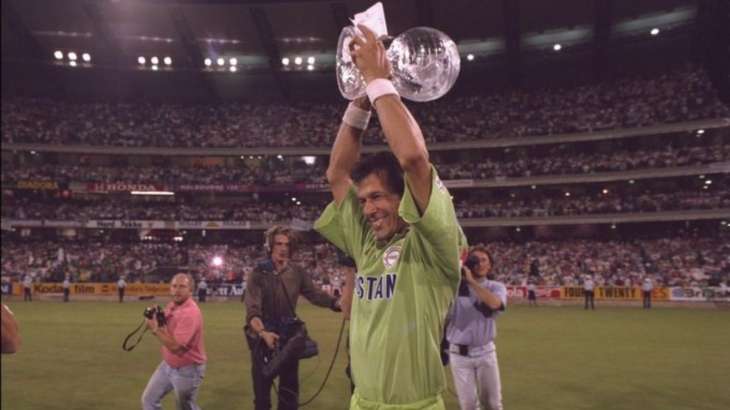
402,293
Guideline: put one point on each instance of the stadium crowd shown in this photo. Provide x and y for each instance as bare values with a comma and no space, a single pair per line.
605,204
553,162
680,94
88,261
671,261
556,162
174,175
282,211
687,261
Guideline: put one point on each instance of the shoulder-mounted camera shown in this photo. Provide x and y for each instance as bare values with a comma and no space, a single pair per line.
294,344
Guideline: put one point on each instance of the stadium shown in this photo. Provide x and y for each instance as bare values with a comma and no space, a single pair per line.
582,141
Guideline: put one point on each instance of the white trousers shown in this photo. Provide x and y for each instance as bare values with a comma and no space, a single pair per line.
477,381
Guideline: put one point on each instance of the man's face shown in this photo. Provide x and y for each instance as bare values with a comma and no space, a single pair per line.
180,288
485,264
380,207
280,251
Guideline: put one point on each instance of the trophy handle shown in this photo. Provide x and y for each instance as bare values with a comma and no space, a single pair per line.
349,79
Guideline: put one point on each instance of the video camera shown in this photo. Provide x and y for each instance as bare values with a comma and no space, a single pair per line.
471,262
156,312
294,344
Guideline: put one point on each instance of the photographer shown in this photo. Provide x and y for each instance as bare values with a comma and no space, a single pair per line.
180,330
271,297
471,331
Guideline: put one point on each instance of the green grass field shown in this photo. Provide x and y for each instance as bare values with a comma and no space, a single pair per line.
550,358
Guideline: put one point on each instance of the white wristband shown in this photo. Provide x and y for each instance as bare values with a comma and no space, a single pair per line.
356,117
378,88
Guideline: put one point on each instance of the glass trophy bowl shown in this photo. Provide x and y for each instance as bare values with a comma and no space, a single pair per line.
425,62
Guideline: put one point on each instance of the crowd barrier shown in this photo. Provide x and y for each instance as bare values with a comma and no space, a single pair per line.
228,290
617,293
110,289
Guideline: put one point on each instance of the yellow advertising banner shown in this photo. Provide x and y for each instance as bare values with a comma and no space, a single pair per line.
143,289
98,289
614,293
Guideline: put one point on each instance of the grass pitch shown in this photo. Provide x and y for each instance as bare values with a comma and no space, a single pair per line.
550,358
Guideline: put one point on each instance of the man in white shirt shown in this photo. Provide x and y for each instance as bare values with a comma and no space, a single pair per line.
121,285
471,334
27,286
202,291
646,288
588,292
66,288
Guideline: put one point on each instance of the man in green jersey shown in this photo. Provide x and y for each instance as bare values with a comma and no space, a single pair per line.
392,214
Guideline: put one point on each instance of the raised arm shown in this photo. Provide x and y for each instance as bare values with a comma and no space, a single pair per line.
10,333
346,149
400,128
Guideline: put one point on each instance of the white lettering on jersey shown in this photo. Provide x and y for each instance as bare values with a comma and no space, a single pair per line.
375,287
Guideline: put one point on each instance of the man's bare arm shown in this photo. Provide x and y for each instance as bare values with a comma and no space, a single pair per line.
345,154
10,332
401,130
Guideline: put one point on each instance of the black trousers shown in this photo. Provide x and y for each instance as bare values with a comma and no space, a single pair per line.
589,299
202,293
288,386
646,296
121,295
27,297
65,294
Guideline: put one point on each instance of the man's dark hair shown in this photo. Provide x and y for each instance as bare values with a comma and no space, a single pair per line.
386,166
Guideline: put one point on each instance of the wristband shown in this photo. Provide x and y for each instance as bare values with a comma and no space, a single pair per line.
356,117
378,88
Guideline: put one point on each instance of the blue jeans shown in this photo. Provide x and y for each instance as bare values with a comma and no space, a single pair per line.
185,381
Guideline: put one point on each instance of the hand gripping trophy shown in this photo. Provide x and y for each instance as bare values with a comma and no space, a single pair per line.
425,61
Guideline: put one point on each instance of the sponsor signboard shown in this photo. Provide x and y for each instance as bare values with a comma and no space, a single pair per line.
41,185
103,187
613,293
700,294
98,289
542,292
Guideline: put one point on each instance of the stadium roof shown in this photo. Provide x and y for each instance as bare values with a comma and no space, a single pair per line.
260,35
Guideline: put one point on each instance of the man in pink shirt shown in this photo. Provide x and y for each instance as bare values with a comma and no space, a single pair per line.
183,351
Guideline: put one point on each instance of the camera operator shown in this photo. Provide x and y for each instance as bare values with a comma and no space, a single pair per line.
271,297
180,330
471,331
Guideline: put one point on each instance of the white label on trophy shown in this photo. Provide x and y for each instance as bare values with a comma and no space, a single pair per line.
373,18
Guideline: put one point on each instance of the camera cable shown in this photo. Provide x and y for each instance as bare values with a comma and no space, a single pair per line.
329,370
